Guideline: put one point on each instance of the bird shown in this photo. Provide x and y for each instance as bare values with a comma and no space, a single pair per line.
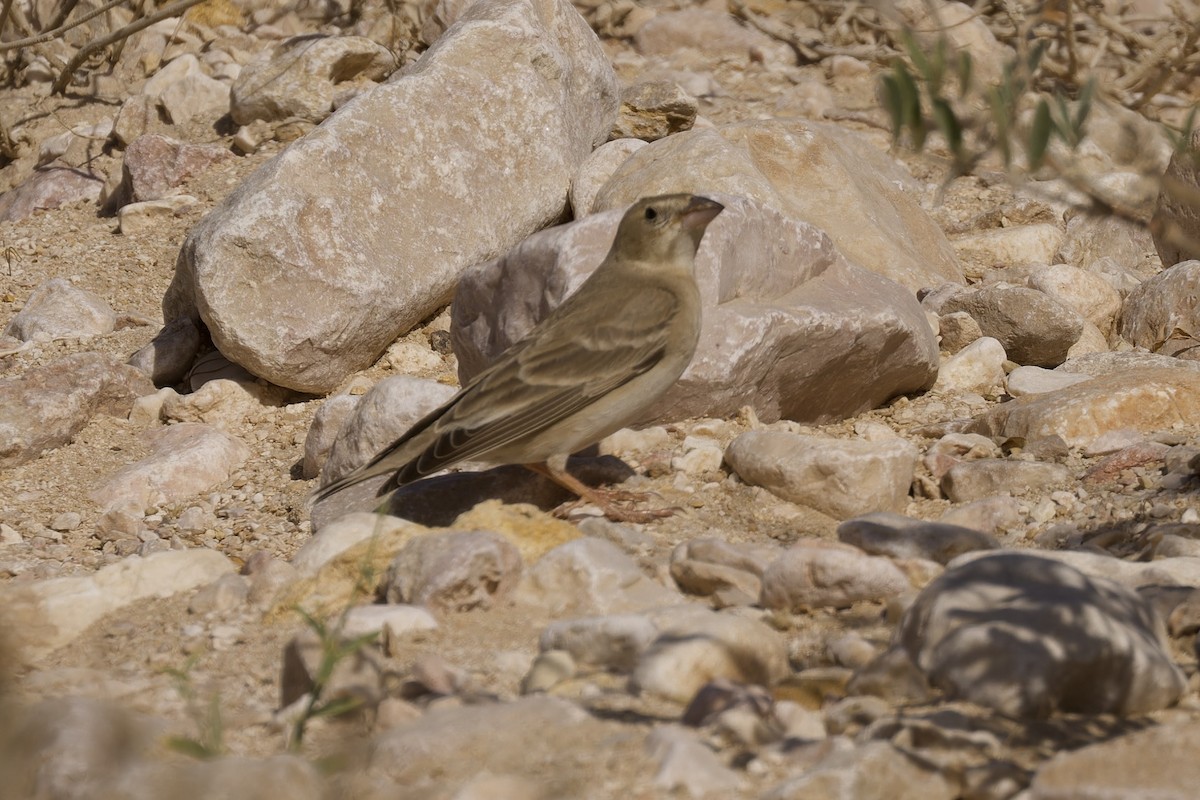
591,367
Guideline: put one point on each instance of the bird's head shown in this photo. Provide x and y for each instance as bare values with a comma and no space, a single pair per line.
665,228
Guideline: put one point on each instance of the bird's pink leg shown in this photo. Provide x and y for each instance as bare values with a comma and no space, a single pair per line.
602,498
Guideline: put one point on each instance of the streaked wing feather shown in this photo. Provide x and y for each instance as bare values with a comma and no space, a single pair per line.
539,385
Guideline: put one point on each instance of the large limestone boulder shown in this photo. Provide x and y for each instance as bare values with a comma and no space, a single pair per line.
830,177
791,326
359,230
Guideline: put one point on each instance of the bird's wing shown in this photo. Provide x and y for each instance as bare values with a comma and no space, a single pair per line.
555,372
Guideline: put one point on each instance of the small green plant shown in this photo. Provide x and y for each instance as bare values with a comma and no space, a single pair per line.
938,92
336,648
205,712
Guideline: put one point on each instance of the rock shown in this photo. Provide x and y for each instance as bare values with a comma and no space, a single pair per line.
983,251
712,566
78,145
170,354
1147,763
702,457
154,164
456,571
696,647
685,764
841,478
1161,314
298,79
326,425
380,417
137,117
549,669
1091,340
613,642
46,406
1176,219
269,578
714,33
136,219
58,310
778,342
1162,572
391,621
873,771
1097,364
993,515
957,330
1036,380
1091,239
66,521
225,403
898,536
975,480
1144,399
213,366
1028,636
955,448
1033,327
225,776
590,575
1138,454
185,460
104,739
221,596
595,171
462,742
284,274
250,138
45,615
976,368
334,540
1086,293
185,91
357,681
821,574
963,30
49,187
652,110
827,176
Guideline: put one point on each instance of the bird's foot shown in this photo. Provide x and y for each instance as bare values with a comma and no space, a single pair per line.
606,499
615,503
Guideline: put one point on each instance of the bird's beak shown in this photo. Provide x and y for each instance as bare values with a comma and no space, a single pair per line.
699,212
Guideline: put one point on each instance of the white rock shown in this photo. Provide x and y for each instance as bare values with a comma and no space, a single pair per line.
46,615
149,215
187,459
391,621
590,575
694,648
294,287
58,310
842,478
612,642
1005,247
595,171
977,368
1037,380
342,534
818,573
685,764
382,416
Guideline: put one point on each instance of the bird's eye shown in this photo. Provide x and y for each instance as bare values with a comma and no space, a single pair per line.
651,214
